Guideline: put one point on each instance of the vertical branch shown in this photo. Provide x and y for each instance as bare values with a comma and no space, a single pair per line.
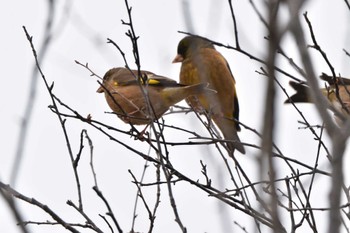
131,33
269,116
91,146
159,135
138,194
185,6
61,120
27,115
171,195
319,100
234,24
324,55
290,205
157,201
337,181
338,136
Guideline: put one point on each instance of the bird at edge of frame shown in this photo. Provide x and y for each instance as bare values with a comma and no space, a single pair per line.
123,93
343,107
202,63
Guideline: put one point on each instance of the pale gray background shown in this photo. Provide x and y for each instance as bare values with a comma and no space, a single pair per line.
46,173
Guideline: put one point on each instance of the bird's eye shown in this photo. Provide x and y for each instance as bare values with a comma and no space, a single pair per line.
115,83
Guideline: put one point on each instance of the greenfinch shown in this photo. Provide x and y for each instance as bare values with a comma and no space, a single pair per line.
124,95
202,63
302,93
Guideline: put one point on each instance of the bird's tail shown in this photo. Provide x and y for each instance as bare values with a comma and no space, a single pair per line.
229,131
236,144
301,95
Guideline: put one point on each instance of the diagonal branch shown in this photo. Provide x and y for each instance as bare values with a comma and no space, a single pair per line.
42,206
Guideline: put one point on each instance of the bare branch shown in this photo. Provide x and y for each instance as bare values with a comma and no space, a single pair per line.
27,115
234,24
44,207
347,4
110,212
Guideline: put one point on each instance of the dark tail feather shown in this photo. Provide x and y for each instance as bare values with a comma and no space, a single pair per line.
327,78
230,133
236,146
301,95
330,80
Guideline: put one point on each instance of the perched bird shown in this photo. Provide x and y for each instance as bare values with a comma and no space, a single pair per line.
343,84
202,63
122,88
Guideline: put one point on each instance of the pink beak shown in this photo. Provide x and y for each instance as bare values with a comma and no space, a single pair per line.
100,90
178,58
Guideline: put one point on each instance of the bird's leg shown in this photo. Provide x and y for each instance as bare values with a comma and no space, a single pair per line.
141,134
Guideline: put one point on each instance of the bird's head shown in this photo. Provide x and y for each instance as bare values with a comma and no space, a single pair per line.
190,44
114,77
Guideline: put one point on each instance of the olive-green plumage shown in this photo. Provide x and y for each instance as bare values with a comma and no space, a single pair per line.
202,63
125,97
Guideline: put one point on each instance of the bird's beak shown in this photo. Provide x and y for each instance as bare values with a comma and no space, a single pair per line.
178,58
100,90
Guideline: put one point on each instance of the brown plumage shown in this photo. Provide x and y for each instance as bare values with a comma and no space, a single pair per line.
123,93
302,93
201,63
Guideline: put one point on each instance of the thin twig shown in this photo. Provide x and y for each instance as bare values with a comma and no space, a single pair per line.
140,194
110,212
86,217
61,120
29,106
44,207
346,52
325,57
9,199
234,24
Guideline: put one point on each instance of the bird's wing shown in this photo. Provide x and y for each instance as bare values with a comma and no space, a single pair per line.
147,78
153,79
228,67
235,101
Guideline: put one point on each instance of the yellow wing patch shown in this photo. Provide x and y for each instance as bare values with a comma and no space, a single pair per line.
153,81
